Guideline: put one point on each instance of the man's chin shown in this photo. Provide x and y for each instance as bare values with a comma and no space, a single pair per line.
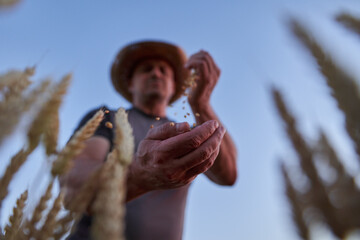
155,97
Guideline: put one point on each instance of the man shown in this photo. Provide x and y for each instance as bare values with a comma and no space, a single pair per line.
168,157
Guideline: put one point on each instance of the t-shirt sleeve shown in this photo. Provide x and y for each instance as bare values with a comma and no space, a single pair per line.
102,130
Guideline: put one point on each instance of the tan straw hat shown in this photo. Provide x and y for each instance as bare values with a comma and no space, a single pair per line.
132,54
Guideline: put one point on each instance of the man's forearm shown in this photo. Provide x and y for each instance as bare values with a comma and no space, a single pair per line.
224,170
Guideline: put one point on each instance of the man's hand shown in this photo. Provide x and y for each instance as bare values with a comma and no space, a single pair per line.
172,155
208,75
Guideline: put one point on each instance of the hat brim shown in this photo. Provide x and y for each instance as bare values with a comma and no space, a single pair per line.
131,55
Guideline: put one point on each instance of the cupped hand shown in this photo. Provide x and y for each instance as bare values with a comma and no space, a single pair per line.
208,74
172,155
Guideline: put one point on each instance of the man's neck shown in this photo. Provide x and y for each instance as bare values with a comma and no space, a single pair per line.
157,109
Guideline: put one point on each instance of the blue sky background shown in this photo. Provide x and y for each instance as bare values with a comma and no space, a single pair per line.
255,50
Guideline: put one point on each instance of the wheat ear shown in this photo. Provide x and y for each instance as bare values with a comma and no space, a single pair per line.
63,162
15,163
29,229
48,228
49,109
349,21
16,218
317,191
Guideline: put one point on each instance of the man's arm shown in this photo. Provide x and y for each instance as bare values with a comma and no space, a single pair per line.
85,164
224,170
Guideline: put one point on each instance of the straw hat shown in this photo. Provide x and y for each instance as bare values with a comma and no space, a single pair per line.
132,54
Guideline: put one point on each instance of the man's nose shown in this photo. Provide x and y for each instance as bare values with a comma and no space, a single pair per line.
156,72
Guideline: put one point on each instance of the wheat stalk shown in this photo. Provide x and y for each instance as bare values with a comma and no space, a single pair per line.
15,163
343,189
47,112
15,82
297,208
29,228
107,208
15,220
317,191
49,225
63,162
124,139
51,134
62,225
344,88
349,21
13,103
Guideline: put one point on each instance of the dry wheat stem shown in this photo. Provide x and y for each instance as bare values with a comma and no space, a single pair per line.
62,225
14,103
317,190
48,228
15,220
124,139
108,210
15,82
12,109
79,204
29,228
344,189
63,162
51,134
349,21
47,112
108,207
15,163
344,88
297,209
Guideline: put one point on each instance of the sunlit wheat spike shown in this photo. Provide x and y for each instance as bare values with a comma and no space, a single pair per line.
15,163
14,103
305,154
124,139
15,81
79,204
12,109
15,219
297,209
63,162
47,229
30,229
349,21
107,208
47,111
36,93
51,134
344,88
63,225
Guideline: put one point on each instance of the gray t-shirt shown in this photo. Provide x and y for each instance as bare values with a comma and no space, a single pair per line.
155,215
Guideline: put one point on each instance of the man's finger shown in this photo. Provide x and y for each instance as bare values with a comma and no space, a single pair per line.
203,167
167,130
204,152
184,143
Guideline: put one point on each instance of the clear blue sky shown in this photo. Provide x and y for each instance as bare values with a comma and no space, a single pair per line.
251,44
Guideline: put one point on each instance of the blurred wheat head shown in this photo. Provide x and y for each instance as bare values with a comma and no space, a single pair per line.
51,221
335,203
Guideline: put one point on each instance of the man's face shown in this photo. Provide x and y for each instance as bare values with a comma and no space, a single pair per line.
152,79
